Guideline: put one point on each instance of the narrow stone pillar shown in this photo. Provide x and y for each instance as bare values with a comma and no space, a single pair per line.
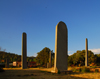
50,61
7,63
86,53
50,57
61,47
24,50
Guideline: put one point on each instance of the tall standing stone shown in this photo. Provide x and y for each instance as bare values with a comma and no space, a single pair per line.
7,63
61,47
86,52
50,61
24,50
50,57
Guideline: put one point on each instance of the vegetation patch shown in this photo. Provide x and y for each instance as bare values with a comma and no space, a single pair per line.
77,70
59,72
93,66
85,69
96,70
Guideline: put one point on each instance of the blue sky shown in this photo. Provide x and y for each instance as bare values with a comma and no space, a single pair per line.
38,18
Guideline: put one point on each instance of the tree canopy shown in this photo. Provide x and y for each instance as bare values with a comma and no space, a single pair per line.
43,56
79,58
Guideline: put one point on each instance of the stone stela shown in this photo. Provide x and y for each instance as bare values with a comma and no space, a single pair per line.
61,47
24,50
49,65
7,63
86,52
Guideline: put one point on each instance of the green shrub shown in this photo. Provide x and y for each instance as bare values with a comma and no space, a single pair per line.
74,70
85,69
96,70
93,66
59,72
77,70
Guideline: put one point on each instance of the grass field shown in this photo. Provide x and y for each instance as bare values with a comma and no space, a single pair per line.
42,73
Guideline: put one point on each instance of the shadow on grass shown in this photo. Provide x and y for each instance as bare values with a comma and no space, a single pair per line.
46,72
64,74
36,74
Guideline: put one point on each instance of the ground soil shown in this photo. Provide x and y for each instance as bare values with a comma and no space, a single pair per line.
43,73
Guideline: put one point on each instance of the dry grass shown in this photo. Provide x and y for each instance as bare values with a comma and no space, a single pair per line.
36,73
88,75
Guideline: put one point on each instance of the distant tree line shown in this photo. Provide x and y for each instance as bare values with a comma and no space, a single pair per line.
42,58
12,57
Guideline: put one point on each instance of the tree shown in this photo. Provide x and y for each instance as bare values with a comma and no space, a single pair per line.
91,57
98,59
43,56
79,58
70,60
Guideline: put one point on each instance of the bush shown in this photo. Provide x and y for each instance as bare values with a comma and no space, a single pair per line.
96,70
72,65
77,70
59,72
74,70
85,69
93,66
